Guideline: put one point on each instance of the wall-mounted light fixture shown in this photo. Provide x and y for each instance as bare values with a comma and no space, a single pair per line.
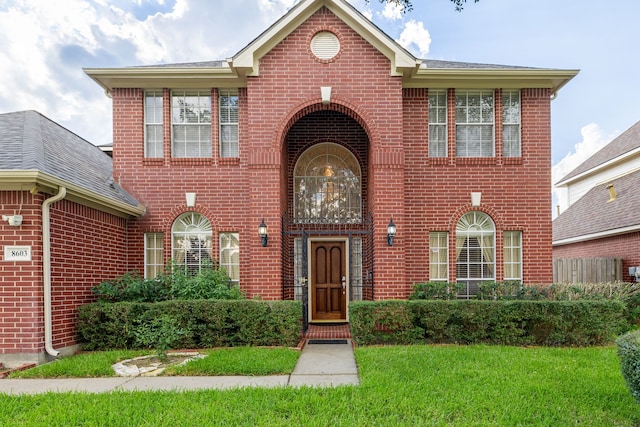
191,199
14,220
391,232
635,273
262,232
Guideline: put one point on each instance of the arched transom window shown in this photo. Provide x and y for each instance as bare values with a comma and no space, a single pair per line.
327,186
475,251
191,241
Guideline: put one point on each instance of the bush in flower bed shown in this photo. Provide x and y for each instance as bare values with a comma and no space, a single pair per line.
177,282
629,353
189,324
550,323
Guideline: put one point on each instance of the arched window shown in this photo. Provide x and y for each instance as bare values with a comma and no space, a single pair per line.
191,241
475,251
327,186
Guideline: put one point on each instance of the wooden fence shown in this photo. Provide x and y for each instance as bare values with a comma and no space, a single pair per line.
587,270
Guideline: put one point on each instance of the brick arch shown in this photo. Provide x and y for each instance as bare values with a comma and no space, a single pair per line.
173,214
493,214
338,105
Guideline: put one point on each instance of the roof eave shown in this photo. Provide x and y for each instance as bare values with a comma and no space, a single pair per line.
38,181
481,78
597,235
158,77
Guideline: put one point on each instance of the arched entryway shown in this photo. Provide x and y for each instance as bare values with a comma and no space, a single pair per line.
327,228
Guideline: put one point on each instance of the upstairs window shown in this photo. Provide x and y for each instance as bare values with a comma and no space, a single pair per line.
191,122
511,146
474,124
153,129
229,132
437,123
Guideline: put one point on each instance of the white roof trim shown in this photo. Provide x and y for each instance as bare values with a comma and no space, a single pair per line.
599,235
598,168
247,60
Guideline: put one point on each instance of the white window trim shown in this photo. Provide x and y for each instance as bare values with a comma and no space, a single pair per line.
226,93
235,281
201,93
155,93
520,261
445,124
518,123
481,93
158,238
432,250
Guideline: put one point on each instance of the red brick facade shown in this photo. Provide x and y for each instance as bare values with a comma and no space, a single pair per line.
378,111
87,247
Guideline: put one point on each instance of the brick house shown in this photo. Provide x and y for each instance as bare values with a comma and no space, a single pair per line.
601,219
63,230
369,168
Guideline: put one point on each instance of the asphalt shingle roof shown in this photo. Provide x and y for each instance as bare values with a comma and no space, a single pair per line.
31,141
593,213
627,141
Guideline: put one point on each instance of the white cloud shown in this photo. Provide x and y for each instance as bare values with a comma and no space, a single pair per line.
392,11
592,141
415,35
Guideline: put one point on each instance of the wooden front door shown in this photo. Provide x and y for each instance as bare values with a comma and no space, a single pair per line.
328,281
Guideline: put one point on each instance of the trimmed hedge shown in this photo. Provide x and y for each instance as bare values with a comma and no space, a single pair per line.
629,353
549,323
191,324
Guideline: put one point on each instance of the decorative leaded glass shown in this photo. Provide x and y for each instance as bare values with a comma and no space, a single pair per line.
327,186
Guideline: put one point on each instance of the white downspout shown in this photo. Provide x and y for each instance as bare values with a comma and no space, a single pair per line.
46,269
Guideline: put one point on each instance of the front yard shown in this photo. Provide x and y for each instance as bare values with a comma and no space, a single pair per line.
400,385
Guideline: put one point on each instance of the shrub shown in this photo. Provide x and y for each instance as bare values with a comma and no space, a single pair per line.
629,353
553,323
388,322
211,282
436,290
189,324
159,333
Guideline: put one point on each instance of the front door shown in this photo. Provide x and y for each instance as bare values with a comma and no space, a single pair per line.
328,281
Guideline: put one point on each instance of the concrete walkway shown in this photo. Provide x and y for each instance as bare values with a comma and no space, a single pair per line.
319,365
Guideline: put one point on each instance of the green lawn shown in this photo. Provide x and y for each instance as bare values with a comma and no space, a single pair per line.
400,386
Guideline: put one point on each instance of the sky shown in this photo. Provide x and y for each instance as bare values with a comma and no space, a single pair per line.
44,46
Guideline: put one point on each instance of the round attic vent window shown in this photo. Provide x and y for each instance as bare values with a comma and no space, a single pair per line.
325,45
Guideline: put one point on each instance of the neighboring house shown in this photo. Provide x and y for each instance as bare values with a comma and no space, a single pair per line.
602,217
331,135
63,230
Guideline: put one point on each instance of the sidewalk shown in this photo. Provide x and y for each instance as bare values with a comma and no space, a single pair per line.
319,365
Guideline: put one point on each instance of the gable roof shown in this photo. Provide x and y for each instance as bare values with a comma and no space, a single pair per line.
37,152
594,216
233,72
247,60
618,150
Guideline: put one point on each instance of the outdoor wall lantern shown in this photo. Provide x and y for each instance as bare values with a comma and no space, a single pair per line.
262,232
13,220
391,232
